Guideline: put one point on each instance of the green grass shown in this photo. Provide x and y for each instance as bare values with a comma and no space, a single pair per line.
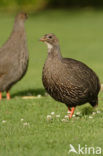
81,37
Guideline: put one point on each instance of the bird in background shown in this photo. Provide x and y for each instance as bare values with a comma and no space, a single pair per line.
14,56
67,80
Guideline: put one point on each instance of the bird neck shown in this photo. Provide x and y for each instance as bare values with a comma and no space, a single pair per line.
54,51
18,26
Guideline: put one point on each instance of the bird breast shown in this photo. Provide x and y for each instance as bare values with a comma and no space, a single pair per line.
51,77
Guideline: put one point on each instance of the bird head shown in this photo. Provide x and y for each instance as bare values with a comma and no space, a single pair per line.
21,16
50,39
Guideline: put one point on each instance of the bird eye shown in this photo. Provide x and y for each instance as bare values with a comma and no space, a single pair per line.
50,37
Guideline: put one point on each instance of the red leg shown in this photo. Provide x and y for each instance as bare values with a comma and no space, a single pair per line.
71,112
8,95
0,95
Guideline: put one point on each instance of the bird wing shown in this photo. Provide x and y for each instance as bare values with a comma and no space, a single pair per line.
7,59
79,73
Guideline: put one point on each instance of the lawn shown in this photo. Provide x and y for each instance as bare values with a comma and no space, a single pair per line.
24,127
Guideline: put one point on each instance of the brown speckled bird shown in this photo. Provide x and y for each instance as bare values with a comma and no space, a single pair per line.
67,80
13,56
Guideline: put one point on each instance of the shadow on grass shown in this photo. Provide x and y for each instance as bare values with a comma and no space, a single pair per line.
87,111
30,92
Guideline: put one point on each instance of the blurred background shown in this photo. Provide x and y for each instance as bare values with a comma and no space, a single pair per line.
35,5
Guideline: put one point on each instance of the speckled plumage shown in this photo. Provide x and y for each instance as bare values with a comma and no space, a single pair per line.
67,80
14,55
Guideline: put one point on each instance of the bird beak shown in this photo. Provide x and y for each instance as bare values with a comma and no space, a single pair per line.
42,39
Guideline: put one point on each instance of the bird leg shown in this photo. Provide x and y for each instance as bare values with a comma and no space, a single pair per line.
8,95
0,95
71,111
